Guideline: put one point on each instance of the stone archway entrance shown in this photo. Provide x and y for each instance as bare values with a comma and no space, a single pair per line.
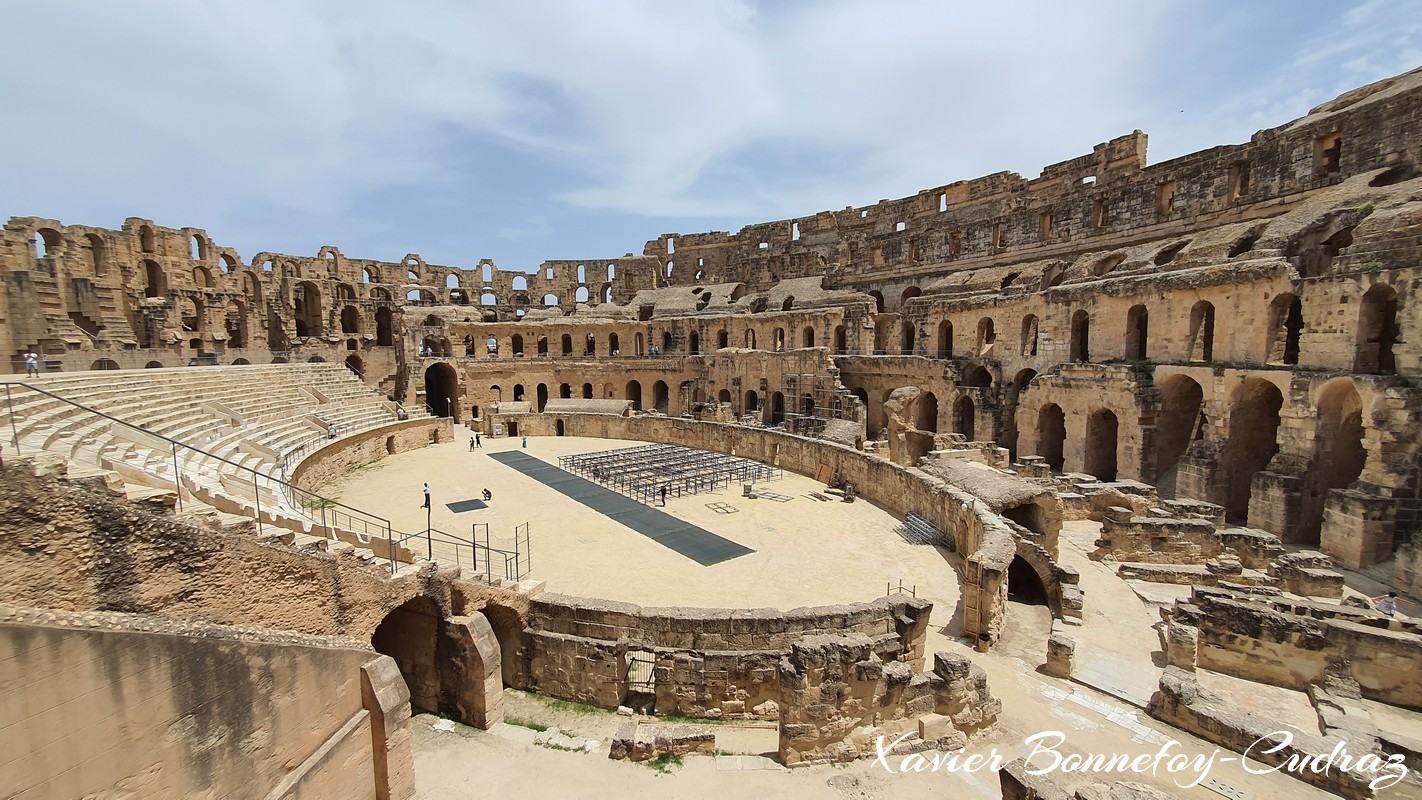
442,391
450,664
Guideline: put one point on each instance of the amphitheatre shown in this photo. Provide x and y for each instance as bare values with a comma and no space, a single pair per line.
1121,451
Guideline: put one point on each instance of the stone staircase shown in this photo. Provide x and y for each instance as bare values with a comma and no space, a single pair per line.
218,437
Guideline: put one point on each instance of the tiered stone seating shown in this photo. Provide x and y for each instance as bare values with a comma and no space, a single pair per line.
236,424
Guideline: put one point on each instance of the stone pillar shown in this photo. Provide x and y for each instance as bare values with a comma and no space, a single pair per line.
387,698
1358,528
471,672
1061,655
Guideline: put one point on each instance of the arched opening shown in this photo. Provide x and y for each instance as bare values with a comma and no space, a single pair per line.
723,339
1102,428
354,364
1202,331
666,342
558,428
909,294
1285,329
155,281
945,339
1051,436
1176,425
752,402
1022,380
926,412
146,240
807,338
1378,332
350,320
1253,441
202,279
508,630
1137,329
987,335
1029,335
661,397
565,391
1338,456
159,364
104,363
384,328
542,397
750,339
777,408
1081,335
542,347
840,344
566,344
694,343
878,301
1024,585
965,414
1028,515
587,391
518,393
409,635
614,345
978,377
907,341
634,393
306,299
723,396
442,391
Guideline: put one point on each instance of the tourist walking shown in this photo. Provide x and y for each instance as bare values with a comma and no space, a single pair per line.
478,440
664,495
427,497
31,365
525,442
471,444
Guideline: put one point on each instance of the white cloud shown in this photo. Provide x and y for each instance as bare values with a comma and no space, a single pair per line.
194,113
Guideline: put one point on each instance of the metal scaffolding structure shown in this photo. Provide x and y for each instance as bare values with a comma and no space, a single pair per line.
642,472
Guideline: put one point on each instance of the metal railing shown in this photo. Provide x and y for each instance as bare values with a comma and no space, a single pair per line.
316,508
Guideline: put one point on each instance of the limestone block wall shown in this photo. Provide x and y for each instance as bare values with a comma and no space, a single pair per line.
112,703
1295,644
837,698
1167,540
328,463
707,661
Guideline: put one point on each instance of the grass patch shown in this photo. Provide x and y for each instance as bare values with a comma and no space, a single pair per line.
685,720
664,763
570,706
523,723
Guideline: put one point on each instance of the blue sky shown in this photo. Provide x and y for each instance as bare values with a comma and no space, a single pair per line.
543,130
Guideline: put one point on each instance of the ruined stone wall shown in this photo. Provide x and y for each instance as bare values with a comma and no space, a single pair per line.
116,703
1098,201
708,662
1296,643
837,697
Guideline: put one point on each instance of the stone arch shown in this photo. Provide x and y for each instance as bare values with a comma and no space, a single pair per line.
1102,432
925,416
978,377
1338,455
661,397
634,393
965,417
909,294
1137,333
1029,335
1080,349
1253,441
945,339
878,301
777,408
155,280
906,343
1285,329
306,299
442,390
807,337
350,320
356,365
1177,424
987,335
451,665
384,327
1051,436
1202,331
752,403
1377,332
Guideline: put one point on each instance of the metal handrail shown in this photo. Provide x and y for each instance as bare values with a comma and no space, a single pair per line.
382,526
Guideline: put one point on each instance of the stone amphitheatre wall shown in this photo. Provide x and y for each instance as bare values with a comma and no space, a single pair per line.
109,704
330,462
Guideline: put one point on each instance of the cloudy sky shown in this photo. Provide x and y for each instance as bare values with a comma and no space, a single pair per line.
537,130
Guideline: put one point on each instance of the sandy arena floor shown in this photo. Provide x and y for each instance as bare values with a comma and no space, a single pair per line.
807,552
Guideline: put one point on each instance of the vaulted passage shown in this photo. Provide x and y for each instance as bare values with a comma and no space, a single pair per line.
1023,583
443,661
408,635
1176,425
1051,435
1377,332
1101,431
442,390
964,417
1253,432
1338,457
